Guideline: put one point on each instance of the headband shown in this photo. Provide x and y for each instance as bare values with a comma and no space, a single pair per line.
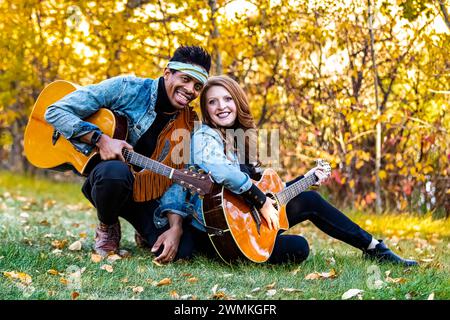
194,71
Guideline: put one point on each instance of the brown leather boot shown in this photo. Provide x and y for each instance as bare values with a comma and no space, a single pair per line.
140,241
107,238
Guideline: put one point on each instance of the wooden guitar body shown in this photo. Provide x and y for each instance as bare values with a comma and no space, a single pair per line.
38,138
227,211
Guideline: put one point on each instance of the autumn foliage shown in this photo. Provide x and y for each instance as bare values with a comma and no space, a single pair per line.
306,66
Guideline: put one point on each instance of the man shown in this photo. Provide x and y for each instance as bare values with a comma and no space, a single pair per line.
153,109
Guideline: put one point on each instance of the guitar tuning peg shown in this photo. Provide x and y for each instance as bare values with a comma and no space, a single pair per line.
201,197
184,189
191,168
201,171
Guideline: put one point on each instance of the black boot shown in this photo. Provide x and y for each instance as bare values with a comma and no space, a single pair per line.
384,254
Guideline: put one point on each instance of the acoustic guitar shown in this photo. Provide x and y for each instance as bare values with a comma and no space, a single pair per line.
45,148
237,230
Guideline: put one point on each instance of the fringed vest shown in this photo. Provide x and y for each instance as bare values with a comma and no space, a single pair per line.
149,185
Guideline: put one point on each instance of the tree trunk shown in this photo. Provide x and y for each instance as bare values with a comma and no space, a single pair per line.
378,202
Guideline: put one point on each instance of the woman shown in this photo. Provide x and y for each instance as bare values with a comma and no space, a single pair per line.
224,106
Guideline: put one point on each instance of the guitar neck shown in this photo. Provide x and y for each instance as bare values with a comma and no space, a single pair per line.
147,163
288,193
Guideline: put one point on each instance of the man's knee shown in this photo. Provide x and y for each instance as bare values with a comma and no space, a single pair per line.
112,169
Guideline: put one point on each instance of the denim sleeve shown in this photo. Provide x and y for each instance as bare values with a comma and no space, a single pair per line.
66,114
208,154
174,201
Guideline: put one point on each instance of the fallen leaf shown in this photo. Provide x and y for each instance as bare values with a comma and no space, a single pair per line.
18,276
59,244
76,246
192,280
164,282
174,294
53,272
96,258
113,258
186,274
64,281
271,292
351,293
219,295
83,235
291,290
227,275
44,223
124,280
323,275
255,290
395,280
431,296
157,263
313,276
332,274
138,289
107,267
75,295
271,286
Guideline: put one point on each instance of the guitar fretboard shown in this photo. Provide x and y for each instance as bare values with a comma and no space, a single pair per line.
288,193
146,163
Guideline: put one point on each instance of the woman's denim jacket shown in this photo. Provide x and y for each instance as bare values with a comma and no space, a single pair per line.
127,96
207,153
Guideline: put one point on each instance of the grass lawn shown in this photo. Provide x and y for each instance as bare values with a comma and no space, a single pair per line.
41,221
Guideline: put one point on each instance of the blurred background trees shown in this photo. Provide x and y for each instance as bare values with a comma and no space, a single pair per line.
306,66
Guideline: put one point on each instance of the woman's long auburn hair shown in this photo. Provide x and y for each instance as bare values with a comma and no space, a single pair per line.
244,119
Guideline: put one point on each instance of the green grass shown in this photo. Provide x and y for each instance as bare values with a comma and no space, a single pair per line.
34,213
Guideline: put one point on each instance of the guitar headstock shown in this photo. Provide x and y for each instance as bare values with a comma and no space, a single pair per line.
324,166
196,181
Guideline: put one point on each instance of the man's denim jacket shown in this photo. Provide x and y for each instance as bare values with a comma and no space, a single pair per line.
127,96
207,153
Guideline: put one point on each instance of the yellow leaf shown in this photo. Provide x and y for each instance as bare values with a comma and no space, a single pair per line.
107,267
96,258
164,282
174,294
351,183
192,280
20,276
382,174
53,272
157,263
59,244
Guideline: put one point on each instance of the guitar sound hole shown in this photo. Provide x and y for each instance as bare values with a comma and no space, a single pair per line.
271,196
